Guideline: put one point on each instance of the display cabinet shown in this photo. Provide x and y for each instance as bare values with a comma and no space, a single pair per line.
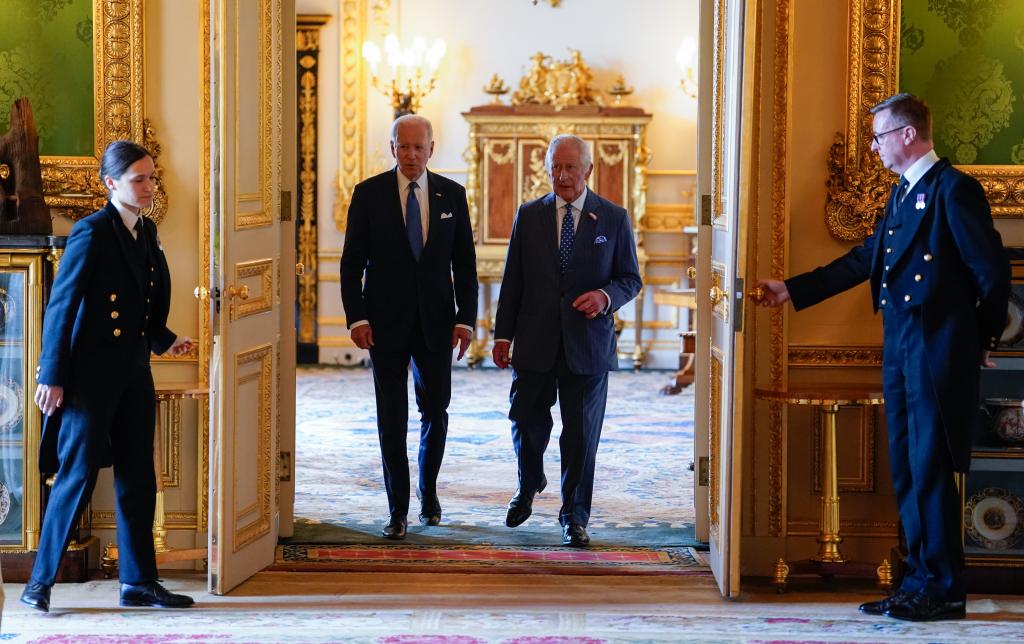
27,266
993,490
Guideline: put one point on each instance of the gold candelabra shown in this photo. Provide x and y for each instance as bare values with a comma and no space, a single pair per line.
413,71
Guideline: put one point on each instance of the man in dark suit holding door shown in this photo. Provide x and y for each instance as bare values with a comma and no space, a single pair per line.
409,288
571,264
941,278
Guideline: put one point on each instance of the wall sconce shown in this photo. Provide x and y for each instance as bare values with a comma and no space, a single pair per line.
687,59
412,71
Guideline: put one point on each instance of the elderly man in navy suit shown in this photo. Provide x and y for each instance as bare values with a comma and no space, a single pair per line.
941,278
409,236
571,264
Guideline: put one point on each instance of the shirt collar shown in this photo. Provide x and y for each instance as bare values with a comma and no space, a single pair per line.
127,216
920,167
577,206
403,182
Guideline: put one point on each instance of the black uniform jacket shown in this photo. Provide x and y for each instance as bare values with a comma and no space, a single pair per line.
101,309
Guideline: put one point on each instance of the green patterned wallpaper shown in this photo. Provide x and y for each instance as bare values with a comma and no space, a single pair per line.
46,54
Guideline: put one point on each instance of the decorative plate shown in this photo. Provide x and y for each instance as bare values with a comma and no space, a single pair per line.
5,502
1013,332
10,404
994,518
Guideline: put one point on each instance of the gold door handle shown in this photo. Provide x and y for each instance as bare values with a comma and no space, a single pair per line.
300,269
691,272
756,294
201,293
242,292
716,294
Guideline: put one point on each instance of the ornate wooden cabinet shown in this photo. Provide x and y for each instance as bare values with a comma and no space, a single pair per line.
27,266
507,144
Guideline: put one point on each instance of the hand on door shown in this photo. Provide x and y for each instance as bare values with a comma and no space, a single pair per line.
772,293
181,346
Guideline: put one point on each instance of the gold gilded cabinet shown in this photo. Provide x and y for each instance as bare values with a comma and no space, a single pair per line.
506,152
27,266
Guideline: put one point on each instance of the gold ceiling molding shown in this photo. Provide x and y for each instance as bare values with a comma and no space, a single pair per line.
71,184
831,356
858,185
351,159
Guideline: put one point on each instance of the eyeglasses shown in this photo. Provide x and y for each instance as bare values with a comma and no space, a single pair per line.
878,137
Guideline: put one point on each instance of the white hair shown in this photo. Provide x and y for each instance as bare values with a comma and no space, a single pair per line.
585,157
411,118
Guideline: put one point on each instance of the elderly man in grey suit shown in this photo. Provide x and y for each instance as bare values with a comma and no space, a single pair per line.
571,264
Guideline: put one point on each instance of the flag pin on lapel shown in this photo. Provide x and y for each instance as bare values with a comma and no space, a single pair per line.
592,216
920,201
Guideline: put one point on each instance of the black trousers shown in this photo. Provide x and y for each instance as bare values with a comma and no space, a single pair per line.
106,416
432,383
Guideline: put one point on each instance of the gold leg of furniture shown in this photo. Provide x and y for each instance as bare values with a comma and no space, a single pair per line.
780,576
477,352
159,531
639,355
828,535
884,575
108,562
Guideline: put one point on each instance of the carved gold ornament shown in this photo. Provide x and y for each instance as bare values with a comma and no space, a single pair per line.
560,83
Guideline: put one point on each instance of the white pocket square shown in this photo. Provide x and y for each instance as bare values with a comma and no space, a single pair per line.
446,215
600,239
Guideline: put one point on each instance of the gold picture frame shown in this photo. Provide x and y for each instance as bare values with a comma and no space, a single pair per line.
858,185
71,184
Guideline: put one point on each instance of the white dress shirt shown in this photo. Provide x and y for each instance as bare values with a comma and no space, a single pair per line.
919,168
127,216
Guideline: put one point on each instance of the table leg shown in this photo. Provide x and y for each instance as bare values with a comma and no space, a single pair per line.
159,529
828,535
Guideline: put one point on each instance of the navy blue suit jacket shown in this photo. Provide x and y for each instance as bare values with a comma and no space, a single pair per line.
440,290
946,258
96,313
535,305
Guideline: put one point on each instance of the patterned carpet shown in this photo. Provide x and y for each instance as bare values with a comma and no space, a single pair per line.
491,559
643,488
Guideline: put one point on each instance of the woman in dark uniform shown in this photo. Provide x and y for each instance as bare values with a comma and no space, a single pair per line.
107,313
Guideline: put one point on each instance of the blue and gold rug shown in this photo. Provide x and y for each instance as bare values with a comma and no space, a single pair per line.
643,490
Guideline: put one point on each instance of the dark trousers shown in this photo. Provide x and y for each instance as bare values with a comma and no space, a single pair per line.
109,416
922,468
582,400
432,383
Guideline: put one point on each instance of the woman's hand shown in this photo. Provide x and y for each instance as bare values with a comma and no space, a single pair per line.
49,398
181,346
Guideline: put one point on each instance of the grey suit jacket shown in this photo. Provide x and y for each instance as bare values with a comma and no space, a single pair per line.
535,305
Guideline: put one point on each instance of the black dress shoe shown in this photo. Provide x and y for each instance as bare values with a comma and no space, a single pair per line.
37,596
431,517
430,509
879,607
395,528
919,607
575,535
152,594
521,506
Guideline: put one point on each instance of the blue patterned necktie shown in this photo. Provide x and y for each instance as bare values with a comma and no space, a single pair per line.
565,240
414,223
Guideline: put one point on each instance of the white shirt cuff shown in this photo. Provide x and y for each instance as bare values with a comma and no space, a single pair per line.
466,327
497,340
608,303
359,323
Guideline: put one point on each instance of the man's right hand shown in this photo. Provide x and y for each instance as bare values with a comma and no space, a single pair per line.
775,293
362,335
49,398
500,354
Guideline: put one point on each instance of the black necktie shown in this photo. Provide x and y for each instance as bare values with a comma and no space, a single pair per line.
414,223
138,229
901,190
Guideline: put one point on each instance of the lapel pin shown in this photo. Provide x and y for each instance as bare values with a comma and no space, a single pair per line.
437,194
592,216
920,201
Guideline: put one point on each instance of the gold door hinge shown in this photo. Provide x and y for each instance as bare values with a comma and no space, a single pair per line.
286,205
284,467
703,471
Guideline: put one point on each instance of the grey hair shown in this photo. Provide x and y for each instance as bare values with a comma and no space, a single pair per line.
585,156
411,118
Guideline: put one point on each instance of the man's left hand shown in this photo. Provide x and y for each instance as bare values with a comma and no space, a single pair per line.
181,346
461,338
986,360
591,304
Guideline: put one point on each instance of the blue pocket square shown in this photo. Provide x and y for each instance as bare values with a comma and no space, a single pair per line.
600,239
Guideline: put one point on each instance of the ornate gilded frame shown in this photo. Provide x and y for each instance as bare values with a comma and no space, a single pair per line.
70,183
857,184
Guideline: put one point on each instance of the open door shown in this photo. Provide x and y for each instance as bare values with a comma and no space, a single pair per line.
245,220
724,154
